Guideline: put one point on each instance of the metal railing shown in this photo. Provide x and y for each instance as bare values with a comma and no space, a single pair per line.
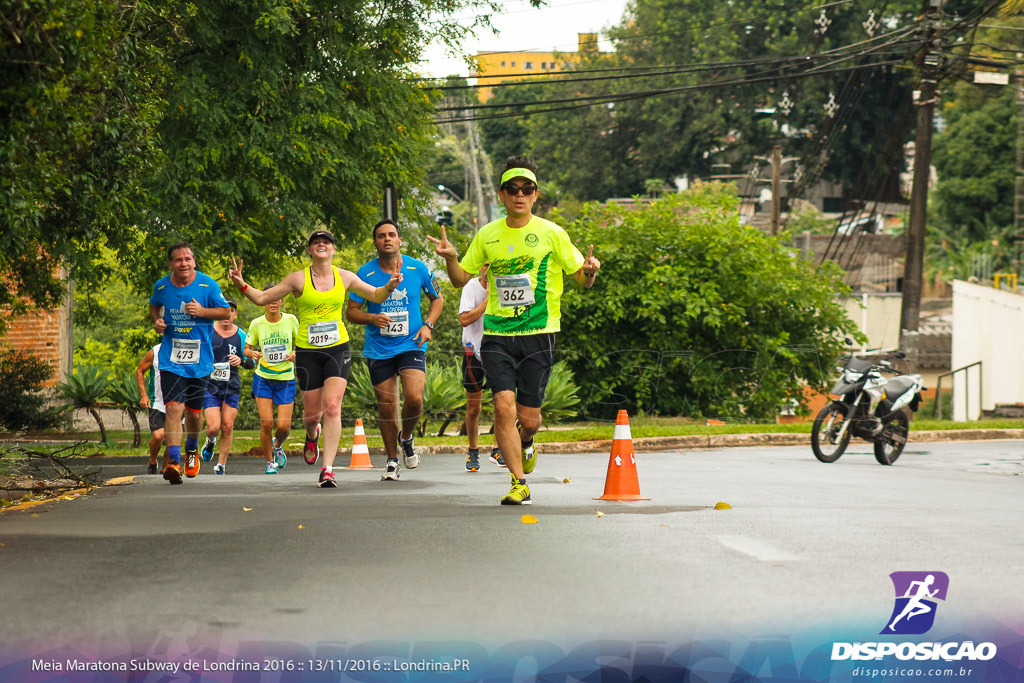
938,389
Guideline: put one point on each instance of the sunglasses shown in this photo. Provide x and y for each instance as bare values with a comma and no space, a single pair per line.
513,189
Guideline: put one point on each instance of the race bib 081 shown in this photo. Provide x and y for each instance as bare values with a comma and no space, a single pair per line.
275,353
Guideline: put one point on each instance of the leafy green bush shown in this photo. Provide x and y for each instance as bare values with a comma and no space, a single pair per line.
696,314
85,389
22,399
360,401
562,395
443,396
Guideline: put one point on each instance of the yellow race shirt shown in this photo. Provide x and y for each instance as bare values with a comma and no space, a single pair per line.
525,275
275,341
320,314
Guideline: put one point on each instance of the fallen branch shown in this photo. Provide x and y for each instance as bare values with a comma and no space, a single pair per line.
67,476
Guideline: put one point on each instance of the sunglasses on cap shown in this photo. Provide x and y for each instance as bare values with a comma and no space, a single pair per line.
513,189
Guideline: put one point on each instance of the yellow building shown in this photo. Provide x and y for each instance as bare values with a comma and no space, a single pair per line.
495,67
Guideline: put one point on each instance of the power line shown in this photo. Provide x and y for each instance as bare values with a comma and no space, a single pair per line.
817,70
612,98
646,72
712,25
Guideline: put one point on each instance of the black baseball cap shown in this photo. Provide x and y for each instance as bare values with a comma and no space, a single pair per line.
320,233
231,303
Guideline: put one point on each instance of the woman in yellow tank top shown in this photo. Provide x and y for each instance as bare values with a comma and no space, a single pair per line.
322,359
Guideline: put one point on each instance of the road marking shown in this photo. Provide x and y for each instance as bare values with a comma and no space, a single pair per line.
756,548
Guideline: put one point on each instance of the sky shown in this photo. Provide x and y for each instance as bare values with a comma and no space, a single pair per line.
521,27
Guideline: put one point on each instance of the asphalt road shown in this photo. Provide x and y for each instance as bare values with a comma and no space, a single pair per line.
247,557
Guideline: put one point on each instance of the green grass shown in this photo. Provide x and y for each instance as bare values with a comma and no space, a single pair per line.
640,427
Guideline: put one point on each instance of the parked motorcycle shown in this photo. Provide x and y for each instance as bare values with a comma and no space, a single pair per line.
870,407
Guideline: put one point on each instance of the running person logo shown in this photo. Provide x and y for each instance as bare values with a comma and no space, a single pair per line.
916,596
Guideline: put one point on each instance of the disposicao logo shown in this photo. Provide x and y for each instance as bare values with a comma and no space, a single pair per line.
913,613
916,595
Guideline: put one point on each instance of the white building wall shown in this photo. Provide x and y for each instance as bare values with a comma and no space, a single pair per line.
878,317
988,326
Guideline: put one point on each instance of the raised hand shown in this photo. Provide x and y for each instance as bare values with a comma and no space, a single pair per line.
443,247
235,272
590,264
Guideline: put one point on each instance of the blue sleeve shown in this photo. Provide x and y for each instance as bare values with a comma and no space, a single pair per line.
430,284
216,296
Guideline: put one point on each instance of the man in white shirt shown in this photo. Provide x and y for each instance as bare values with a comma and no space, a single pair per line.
474,379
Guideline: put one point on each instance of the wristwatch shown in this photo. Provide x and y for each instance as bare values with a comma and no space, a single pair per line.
429,324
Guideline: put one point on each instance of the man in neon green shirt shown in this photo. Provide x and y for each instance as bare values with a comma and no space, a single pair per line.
527,257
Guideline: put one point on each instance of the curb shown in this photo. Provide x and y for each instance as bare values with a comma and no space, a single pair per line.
697,441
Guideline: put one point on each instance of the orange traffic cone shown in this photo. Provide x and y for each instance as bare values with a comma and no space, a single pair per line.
360,451
622,482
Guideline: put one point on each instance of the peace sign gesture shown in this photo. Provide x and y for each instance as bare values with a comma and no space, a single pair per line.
443,247
235,272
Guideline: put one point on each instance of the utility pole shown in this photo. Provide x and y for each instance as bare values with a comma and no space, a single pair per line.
481,218
913,274
1018,184
776,187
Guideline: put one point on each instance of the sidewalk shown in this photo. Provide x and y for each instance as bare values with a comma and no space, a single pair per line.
693,441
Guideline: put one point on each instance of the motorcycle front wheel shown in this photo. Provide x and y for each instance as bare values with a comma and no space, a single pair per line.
885,452
825,432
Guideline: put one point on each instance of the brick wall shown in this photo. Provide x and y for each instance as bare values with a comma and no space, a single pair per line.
46,335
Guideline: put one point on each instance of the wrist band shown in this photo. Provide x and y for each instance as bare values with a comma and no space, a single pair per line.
244,287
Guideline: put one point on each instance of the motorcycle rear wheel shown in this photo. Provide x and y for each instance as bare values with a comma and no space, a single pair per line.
885,452
824,432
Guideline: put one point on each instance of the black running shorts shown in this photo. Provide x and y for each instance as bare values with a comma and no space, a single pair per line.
474,379
314,366
520,364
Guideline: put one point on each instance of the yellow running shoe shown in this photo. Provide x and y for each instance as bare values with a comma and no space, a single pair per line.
519,495
529,458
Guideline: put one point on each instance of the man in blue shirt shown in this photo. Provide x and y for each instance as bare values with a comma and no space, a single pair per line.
396,341
183,307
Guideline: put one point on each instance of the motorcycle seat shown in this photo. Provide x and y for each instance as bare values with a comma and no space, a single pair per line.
897,386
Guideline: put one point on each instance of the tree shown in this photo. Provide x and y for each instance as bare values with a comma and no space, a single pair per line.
80,95
971,213
683,88
975,164
697,314
239,126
